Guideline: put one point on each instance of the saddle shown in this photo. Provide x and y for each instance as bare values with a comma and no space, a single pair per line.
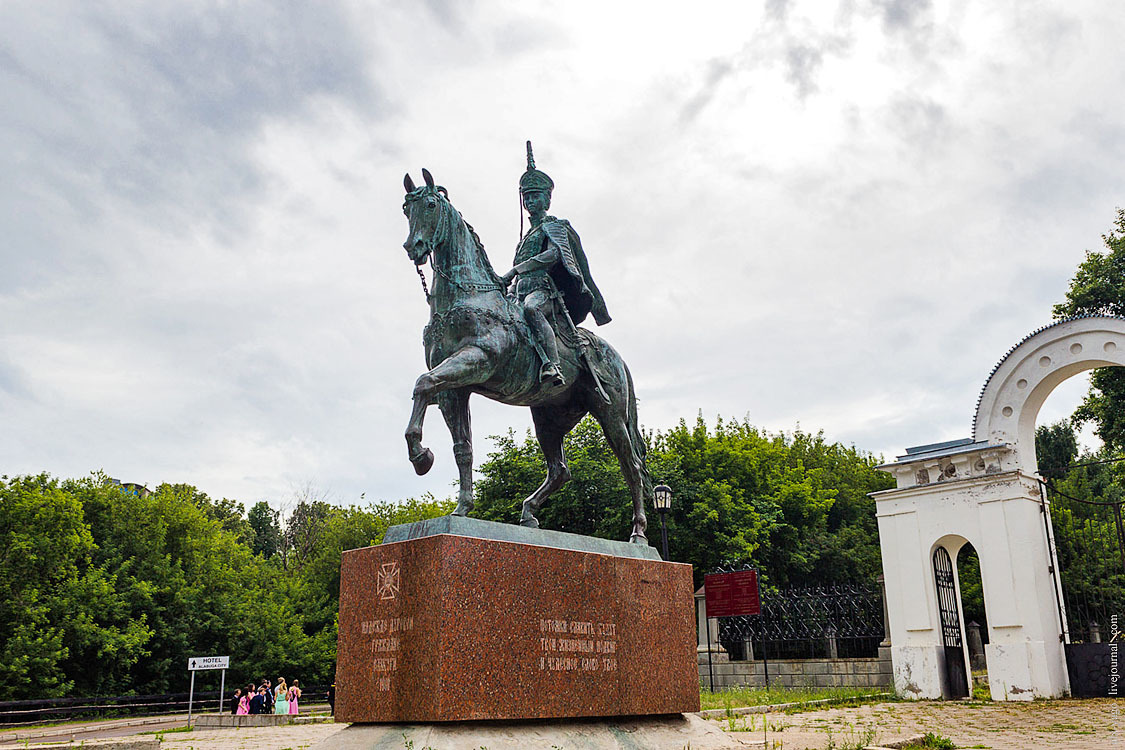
578,340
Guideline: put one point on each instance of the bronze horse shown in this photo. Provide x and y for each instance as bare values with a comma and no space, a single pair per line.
477,342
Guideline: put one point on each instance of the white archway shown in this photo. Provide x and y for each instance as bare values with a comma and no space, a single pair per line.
1031,370
986,489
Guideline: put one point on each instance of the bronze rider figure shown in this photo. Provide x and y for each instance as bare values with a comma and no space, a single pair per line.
550,264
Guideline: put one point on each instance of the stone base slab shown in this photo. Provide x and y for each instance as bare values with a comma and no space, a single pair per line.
452,628
650,733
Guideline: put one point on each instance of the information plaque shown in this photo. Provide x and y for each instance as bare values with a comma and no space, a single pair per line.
732,594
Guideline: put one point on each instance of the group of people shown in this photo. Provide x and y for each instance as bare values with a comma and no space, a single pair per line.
266,699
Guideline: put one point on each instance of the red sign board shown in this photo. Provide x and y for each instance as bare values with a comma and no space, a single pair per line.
730,594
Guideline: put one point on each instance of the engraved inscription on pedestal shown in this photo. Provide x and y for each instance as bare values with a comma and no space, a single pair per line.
577,646
385,645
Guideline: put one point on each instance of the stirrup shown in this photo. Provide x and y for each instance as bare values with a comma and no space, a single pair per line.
550,371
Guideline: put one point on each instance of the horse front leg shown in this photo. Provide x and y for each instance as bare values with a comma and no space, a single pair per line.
465,367
454,407
422,458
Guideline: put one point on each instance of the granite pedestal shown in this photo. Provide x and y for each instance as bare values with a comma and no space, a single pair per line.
459,619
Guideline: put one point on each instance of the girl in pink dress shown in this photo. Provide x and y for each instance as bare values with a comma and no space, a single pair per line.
294,694
243,705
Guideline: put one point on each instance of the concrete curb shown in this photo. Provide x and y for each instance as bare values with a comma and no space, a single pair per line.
77,729
226,721
722,713
109,743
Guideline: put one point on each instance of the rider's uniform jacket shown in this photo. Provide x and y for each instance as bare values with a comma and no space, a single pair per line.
569,269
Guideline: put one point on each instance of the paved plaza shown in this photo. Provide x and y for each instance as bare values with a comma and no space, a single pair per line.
290,737
1063,724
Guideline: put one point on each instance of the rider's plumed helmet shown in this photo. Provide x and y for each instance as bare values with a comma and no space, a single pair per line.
533,180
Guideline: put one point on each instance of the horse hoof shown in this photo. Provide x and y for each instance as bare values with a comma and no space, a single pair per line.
462,509
531,523
423,462
639,539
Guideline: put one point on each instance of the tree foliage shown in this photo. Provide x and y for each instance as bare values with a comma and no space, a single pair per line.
104,591
1098,288
792,504
1056,447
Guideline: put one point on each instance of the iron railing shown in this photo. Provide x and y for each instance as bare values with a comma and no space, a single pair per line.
15,713
813,622
1089,541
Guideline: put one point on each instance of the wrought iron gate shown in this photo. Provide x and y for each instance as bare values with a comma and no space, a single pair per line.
956,677
1089,542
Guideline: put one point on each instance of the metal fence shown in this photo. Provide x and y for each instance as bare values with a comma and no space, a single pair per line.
1089,538
814,622
15,713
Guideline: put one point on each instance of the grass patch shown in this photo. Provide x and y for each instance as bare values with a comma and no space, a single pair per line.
855,738
981,691
762,696
932,741
173,730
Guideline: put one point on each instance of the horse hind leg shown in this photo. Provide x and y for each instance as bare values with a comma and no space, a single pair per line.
454,407
552,423
619,423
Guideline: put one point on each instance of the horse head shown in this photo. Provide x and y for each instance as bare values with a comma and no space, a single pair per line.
427,210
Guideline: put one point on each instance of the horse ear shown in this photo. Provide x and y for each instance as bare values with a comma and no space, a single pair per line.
408,183
429,178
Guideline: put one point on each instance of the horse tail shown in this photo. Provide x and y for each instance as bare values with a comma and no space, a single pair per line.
640,450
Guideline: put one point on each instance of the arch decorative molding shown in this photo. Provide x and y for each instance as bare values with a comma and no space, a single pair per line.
1022,380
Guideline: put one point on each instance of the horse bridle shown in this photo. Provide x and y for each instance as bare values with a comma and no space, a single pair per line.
432,243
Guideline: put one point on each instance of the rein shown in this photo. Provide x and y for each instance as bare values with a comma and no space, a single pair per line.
422,276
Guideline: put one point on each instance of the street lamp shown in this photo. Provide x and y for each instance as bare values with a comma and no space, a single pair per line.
662,496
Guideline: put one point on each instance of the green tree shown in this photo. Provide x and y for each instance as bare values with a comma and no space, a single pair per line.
104,591
67,624
794,505
265,529
42,545
1098,288
302,531
972,590
595,502
1056,447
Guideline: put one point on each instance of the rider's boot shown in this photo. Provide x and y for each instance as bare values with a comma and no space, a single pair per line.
541,329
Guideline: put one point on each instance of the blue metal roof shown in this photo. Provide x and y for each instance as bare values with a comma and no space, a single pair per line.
941,450
938,446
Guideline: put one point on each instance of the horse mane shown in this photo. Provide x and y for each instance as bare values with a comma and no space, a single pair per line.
480,249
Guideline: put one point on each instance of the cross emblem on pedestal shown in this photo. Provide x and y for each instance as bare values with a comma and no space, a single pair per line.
387,582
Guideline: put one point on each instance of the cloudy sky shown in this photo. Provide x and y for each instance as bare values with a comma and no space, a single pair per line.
837,215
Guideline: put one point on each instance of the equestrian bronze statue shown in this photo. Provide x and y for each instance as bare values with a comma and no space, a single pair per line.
524,348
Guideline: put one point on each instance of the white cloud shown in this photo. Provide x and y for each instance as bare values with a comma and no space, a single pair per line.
835,215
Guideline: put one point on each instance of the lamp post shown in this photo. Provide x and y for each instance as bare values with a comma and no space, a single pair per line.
662,497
